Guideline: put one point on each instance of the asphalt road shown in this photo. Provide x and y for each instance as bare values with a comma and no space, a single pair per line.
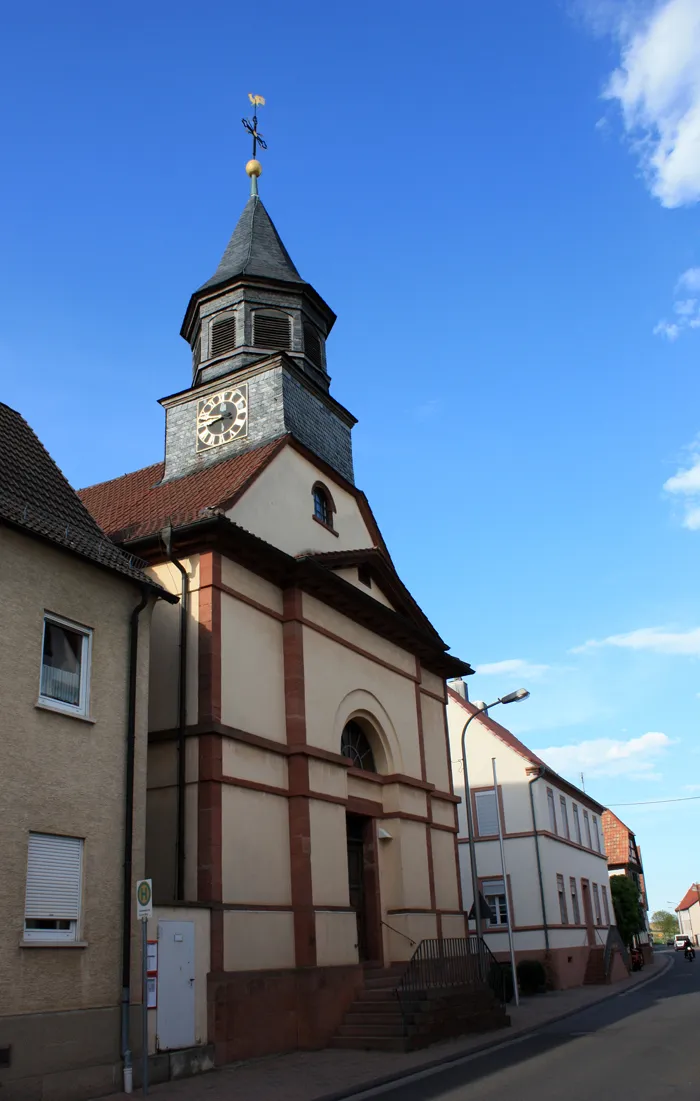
640,1046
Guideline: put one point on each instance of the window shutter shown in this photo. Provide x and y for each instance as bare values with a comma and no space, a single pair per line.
486,812
493,886
53,877
271,330
222,336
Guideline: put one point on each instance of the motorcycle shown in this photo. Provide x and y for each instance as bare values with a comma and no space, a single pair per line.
689,953
636,959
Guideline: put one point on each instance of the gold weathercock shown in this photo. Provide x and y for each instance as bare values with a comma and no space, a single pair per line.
254,167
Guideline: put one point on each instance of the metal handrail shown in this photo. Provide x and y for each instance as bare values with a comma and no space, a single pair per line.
449,962
397,931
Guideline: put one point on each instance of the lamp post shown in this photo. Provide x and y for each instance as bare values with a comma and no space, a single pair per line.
512,697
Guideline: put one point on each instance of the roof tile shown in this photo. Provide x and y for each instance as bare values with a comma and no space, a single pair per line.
691,896
140,504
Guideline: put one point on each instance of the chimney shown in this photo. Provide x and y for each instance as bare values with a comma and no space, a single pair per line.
459,686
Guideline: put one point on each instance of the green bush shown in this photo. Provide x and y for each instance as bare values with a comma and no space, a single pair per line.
532,978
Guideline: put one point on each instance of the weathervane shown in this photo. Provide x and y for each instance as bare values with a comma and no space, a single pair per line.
254,167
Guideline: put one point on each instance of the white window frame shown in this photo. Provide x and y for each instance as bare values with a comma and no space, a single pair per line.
577,823
82,708
596,833
61,909
564,817
496,889
575,906
587,828
561,894
552,812
480,797
606,904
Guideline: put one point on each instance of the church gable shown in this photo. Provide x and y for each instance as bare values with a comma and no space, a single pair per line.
301,508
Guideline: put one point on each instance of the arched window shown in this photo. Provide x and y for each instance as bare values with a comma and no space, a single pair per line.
222,335
271,329
323,505
354,745
312,345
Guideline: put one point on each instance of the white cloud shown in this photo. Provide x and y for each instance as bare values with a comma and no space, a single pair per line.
685,486
689,280
691,787
634,759
656,640
686,307
657,88
526,670
669,329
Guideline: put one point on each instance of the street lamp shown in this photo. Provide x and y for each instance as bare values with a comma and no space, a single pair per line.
512,697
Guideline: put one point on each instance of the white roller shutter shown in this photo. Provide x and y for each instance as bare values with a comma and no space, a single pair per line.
486,812
54,869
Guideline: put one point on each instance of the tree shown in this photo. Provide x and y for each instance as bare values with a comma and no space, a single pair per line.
665,923
628,911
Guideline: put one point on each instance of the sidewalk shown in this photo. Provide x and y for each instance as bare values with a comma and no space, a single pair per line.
321,1075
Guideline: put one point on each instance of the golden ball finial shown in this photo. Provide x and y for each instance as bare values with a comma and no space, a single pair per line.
253,168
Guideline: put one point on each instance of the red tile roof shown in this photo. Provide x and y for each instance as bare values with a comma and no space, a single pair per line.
617,839
139,503
691,896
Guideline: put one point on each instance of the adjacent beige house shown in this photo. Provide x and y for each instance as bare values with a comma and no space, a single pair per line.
555,885
688,910
74,614
301,816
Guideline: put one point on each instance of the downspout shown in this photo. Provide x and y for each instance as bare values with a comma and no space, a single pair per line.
129,837
539,862
181,717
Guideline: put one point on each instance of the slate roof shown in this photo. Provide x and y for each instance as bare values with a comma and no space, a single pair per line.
520,747
255,249
691,896
36,497
139,504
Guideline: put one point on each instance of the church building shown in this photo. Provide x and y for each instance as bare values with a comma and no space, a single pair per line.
300,809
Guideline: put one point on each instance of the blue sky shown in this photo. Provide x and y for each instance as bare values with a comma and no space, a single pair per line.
500,201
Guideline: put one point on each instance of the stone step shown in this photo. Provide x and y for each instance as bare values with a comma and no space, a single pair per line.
379,994
393,1028
371,1043
361,1017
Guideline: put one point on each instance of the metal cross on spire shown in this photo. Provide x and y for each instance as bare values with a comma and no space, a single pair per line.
252,127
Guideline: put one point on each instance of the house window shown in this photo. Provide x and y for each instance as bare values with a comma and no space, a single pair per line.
54,883
552,811
494,891
596,903
606,906
587,827
222,335
564,817
364,576
574,901
577,824
354,745
486,813
596,833
561,891
65,666
271,329
632,851
323,505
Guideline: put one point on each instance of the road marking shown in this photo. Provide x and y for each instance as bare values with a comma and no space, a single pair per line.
652,978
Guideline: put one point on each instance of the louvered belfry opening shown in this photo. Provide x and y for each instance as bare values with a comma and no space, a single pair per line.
222,336
197,352
271,330
312,345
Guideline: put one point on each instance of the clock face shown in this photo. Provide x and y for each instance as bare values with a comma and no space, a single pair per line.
222,417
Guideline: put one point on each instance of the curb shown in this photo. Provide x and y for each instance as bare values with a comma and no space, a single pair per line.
448,1060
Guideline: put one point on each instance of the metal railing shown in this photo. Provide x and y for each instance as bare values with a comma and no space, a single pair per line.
452,962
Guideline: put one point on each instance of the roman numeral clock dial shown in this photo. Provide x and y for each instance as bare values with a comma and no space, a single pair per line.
222,418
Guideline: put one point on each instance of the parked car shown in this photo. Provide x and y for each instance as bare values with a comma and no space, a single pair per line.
669,944
680,940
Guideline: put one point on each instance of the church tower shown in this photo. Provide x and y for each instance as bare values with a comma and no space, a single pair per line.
258,335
